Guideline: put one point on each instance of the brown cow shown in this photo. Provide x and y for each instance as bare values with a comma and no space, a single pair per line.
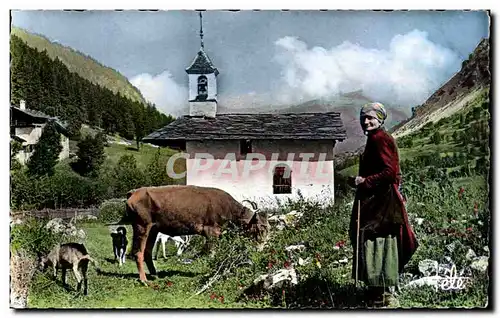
184,210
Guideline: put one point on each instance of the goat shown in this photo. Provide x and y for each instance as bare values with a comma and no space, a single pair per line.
69,256
120,243
181,243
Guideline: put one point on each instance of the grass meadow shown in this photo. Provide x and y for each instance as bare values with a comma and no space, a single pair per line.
324,280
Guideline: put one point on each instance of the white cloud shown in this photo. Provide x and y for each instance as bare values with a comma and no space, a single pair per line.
168,96
405,74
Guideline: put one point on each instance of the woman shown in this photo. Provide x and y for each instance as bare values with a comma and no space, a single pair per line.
386,240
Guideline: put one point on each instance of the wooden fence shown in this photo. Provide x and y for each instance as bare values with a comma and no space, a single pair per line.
54,213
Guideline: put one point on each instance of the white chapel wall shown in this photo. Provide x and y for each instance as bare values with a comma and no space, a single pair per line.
313,180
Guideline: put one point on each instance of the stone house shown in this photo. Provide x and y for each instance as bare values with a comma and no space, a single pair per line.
26,126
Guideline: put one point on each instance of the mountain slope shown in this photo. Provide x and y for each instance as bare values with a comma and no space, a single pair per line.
462,89
83,65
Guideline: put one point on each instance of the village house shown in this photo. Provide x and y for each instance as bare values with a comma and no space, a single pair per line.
261,157
26,127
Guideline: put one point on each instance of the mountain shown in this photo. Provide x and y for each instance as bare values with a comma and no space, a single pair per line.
449,132
83,65
459,91
347,104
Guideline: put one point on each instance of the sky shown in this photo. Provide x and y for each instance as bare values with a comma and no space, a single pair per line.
273,57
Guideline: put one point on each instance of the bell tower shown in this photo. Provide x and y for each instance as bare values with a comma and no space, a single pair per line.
202,76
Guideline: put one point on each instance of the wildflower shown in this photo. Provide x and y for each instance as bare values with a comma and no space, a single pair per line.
269,265
340,244
460,192
469,229
221,299
287,264
169,284
213,296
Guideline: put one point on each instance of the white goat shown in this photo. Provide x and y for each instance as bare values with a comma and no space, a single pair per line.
181,243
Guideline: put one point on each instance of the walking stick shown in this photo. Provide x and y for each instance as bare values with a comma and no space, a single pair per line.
357,243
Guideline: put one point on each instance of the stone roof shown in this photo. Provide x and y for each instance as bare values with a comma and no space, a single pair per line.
310,126
61,126
32,112
202,64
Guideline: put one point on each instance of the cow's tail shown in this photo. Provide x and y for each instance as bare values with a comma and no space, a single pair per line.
128,215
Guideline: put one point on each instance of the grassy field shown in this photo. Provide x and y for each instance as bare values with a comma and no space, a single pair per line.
117,148
323,283
143,156
118,287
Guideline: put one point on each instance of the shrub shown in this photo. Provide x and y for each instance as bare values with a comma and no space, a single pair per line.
156,171
111,211
63,189
127,176
32,237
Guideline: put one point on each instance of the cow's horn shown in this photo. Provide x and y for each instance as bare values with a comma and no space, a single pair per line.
254,205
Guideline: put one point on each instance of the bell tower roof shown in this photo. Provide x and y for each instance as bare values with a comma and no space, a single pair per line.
201,64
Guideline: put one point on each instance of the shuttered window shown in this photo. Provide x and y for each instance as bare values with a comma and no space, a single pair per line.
245,147
281,182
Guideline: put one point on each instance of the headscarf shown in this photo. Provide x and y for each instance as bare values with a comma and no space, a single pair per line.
378,108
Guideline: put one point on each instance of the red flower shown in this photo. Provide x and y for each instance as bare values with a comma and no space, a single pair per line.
469,229
269,265
287,264
221,299
213,296
460,192
340,244
169,284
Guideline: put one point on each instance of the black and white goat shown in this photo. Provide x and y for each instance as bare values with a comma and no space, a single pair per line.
120,243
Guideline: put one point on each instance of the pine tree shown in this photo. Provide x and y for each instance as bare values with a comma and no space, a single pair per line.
15,147
46,152
436,138
90,155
